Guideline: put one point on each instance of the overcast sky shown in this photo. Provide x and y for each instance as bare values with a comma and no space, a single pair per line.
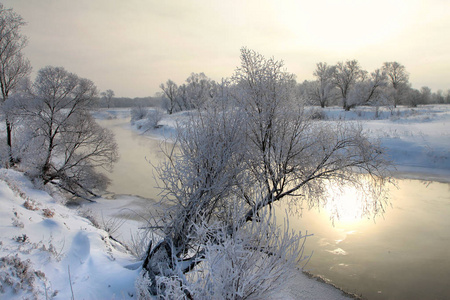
131,46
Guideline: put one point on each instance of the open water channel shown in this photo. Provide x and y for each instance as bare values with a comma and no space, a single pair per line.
404,254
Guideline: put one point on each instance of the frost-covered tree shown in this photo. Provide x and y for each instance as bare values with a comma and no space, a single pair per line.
398,80
323,90
311,92
13,65
345,76
438,97
170,90
447,97
369,91
200,89
65,143
145,118
138,113
426,94
194,94
232,163
107,96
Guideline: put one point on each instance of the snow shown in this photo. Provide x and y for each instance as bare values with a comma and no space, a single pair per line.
99,267
417,140
54,248
67,245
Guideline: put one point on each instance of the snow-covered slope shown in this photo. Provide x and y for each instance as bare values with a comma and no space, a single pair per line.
48,251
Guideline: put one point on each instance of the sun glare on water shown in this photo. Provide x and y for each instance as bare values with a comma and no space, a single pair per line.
347,204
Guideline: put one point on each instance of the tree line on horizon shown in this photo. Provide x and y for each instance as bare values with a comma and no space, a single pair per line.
346,84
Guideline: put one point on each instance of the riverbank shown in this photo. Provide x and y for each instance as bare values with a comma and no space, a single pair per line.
51,251
417,140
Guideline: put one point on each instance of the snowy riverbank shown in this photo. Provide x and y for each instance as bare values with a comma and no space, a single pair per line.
51,251
417,140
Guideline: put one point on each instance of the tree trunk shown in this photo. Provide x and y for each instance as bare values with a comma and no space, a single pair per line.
9,142
158,262
344,104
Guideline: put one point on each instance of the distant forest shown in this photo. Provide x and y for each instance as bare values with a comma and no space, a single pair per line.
131,102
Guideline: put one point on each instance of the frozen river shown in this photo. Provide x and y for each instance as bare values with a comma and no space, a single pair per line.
405,254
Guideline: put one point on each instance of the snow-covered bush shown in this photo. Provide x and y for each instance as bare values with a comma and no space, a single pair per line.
19,276
138,113
317,114
139,241
149,121
256,262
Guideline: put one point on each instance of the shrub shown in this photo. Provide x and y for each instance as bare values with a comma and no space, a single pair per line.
150,121
19,275
138,113
30,205
48,213
317,114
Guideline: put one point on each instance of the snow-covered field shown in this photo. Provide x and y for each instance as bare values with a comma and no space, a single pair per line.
417,140
51,251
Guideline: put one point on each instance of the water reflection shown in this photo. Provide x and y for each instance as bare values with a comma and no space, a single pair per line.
346,204
400,255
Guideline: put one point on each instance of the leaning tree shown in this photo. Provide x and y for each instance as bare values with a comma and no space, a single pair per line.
231,165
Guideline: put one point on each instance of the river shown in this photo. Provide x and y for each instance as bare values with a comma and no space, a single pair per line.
404,254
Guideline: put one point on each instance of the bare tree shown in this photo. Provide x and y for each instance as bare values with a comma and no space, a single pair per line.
108,95
13,65
438,97
323,91
369,91
398,79
72,145
345,76
170,90
231,165
200,89
426,94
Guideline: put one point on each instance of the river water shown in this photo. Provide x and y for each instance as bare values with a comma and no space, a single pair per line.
405,254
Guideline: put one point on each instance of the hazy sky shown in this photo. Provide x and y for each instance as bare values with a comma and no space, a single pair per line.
131,46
